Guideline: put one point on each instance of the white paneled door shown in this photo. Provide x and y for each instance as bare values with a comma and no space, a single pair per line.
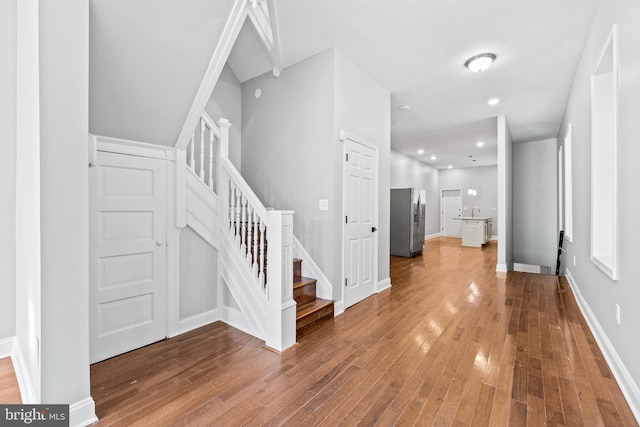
451,209
360,207
127,265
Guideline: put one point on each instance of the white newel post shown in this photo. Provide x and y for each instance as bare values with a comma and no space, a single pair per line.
281,308
224,126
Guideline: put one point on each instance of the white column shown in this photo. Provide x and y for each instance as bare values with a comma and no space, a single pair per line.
280,328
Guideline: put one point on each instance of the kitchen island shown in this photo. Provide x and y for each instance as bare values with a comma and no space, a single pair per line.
476,231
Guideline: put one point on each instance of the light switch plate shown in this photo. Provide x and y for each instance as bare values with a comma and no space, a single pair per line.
323,204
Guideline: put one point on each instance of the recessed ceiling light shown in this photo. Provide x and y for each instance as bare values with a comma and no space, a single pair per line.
450,166
480,62
480,144
493,101
433,157
404,108
420,151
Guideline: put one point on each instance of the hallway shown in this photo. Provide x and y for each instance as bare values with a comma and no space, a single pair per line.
451,343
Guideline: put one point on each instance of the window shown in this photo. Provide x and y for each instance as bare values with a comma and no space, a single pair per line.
604,112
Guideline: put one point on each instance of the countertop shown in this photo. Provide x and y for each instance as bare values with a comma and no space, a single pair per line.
477,218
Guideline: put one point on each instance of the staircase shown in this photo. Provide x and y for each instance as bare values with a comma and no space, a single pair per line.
311,312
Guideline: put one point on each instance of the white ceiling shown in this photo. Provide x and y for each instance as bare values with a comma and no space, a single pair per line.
416,49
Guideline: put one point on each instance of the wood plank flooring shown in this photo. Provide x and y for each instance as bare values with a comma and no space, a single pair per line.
452,343
9,391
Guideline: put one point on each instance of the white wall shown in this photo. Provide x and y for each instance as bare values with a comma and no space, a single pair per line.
225,102
598,292
148,59
198,275
407,172
363,108
292,157
485,180
535,203
8,55
505,196
64,126
289,149
28,336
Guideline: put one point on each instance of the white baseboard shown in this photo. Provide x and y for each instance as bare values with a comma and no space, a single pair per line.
431,236
82,413
338,308
195,322
383,285
6,347
501,268
27,391
628,386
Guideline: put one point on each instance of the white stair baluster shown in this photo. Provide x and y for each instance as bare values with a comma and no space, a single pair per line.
249,235
211,159
201,174
231,187
243,236
238,207
192,161
254,224
262,254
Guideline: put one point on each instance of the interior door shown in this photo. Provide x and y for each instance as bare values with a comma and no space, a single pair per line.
451,208
360,207
127,259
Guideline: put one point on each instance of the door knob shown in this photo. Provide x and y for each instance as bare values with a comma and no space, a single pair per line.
159,243
374,229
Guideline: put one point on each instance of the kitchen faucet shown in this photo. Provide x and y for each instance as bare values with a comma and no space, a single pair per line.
473,210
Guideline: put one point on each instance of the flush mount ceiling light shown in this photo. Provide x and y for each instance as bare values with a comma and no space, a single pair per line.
420,151
433,157
480,62
480,144
450,166
493,101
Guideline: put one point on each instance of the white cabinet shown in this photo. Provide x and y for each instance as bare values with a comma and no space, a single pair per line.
476,231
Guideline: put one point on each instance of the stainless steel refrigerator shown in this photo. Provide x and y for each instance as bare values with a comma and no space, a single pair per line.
407,221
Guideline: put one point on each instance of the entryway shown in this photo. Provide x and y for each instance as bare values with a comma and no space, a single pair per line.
127,253
451,209
360,186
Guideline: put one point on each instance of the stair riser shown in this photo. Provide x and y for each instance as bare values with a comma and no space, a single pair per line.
297,270
317,316
305,293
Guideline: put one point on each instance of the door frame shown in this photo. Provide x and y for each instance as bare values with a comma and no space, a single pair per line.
343,137
169,155
442,190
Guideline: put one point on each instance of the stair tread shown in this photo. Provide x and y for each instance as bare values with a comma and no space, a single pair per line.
304,281
311,307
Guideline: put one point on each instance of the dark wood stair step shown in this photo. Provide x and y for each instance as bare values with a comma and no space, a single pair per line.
297,270
313,311
304,290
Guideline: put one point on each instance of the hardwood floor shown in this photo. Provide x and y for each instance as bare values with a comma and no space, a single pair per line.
9,391
452,343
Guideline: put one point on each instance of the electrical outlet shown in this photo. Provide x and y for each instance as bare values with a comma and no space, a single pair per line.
323,204
574,260
618,313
